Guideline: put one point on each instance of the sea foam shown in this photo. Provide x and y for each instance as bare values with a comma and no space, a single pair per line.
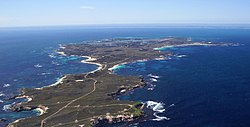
52,55
153,76
180,56
153,79
157,107
38,66
1,94
7,107
6,85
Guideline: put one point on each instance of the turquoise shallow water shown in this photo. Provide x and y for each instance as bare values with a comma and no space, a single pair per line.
207,87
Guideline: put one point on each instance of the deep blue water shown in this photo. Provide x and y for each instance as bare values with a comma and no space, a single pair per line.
210,86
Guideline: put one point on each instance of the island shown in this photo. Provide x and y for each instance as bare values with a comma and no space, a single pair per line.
83,100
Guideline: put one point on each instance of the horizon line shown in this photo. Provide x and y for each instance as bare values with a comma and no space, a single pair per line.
133,25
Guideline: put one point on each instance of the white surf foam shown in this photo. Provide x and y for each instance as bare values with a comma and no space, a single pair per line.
45,73
6,85
180,56
52,56
153,79
151,87
6,107
157,107
1,94
55,63
38,66
1,101
153,76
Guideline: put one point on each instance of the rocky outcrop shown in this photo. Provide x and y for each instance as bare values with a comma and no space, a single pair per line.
119,118
124,89
2,120
19,108
110,119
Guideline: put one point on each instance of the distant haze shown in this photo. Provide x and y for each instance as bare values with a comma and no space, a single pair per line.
82,12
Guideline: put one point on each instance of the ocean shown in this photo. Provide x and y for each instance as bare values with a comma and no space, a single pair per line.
201,86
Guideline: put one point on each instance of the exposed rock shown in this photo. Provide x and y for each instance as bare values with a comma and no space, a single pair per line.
2,120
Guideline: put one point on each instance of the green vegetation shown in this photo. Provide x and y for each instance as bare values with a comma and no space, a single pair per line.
88,99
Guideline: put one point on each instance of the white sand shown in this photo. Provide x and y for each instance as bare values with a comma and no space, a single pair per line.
58,82
183,45
61,53
29,99
90,60
116,66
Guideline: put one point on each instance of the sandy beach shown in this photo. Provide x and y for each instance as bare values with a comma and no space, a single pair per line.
183,45
90,60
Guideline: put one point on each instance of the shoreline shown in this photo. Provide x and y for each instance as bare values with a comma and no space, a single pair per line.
43,110
54,84
186,45
116,66
90,60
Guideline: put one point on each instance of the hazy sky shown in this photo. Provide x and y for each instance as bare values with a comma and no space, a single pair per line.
80,12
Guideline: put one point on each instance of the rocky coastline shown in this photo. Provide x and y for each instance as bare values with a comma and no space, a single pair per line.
92,95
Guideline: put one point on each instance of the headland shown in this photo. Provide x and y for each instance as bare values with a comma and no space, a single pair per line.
90,99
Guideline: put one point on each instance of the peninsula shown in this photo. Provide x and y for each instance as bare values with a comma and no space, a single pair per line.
82,100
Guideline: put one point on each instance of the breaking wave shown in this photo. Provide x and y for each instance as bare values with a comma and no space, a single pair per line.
153,79
7,107
180,56
158,108
6,85
1,94
38,66
153,76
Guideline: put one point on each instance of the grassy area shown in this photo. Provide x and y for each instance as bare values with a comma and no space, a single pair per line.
85,99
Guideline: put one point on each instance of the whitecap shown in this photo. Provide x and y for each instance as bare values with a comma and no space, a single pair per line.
1,101
171,105
180,56
38,66
153,76
153,79
6,85
55,63
1,94
151,88
52,56
45,73
160,118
